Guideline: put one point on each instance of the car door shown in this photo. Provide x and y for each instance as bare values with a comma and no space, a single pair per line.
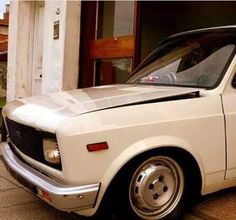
229,108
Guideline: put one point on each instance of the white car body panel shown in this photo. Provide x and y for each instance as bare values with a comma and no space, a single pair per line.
134,119
185,129
229,104
131,130
45,112
149,132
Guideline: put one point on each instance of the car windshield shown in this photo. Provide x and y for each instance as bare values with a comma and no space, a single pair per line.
197,60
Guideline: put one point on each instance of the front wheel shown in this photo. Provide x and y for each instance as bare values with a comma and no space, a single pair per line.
155,189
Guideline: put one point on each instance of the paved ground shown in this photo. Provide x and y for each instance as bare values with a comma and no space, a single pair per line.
219,206
17,203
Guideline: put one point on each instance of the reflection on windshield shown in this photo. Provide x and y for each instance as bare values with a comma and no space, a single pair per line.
196,63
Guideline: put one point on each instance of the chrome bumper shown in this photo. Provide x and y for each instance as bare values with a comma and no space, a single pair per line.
63,197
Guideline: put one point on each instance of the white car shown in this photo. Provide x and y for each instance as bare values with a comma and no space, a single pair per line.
143,149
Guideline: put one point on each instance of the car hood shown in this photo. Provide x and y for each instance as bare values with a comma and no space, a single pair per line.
45,112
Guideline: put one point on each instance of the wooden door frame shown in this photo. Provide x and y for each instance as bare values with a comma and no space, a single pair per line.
88,35
137,35
88,32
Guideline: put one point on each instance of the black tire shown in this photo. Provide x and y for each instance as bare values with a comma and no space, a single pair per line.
152,188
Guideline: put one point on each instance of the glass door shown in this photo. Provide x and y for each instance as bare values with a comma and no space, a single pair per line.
113,48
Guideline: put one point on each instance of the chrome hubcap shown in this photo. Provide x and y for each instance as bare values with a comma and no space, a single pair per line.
156,187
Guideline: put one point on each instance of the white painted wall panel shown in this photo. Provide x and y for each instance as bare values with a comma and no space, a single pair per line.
60,56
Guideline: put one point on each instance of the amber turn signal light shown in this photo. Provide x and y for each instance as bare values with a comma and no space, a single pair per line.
97,146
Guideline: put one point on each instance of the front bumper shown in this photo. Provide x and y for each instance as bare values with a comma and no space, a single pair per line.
63,197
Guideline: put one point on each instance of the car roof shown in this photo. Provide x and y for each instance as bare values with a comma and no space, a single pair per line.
229,28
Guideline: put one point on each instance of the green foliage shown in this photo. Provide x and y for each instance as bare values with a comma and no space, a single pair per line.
3,77
2,102
3,84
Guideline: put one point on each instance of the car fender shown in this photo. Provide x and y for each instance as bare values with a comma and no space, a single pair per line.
141,147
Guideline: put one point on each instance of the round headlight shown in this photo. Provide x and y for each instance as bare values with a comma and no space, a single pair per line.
51,151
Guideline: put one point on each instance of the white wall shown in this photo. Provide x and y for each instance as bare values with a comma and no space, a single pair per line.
72,43
60,56
18,77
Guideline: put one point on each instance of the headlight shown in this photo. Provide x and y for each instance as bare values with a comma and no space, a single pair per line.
51,151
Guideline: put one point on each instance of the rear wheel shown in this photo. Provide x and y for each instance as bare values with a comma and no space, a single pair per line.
154,189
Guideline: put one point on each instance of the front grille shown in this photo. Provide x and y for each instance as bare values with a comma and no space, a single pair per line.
28,140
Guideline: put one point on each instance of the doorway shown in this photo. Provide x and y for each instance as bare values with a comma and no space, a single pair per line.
108,38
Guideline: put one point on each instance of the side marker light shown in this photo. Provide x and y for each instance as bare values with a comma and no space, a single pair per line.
97,146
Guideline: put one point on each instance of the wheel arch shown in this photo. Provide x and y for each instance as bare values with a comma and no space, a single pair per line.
176,153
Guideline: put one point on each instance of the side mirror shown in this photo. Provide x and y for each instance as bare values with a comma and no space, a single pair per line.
234,81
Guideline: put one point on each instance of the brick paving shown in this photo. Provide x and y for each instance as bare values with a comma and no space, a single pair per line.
218,206
16,203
